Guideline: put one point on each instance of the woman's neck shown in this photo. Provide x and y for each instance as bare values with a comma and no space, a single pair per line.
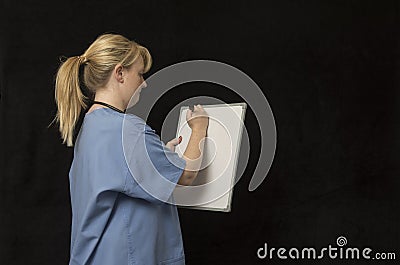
111,100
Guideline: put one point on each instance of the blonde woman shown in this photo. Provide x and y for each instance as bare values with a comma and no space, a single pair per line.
115,220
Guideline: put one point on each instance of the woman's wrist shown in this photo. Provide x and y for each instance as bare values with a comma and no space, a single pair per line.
199,130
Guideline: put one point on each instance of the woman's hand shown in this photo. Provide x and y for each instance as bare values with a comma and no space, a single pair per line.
174,142
197,119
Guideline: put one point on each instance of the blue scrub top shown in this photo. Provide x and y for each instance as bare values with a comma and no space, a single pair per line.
114,218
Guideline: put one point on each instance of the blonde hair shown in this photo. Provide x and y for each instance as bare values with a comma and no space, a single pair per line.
98,61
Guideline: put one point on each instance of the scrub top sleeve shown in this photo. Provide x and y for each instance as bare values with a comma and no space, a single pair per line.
154,169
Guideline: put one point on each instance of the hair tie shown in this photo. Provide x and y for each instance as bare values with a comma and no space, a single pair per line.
82,59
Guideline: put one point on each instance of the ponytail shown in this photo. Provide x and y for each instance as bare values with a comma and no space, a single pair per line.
69,98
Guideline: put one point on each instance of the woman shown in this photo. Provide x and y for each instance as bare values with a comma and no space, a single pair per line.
114,219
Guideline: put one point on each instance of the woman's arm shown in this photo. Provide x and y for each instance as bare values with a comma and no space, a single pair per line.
198,122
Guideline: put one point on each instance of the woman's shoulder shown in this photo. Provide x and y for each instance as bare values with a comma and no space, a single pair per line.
132,121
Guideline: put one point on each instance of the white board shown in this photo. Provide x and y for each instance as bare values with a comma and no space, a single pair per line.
213,187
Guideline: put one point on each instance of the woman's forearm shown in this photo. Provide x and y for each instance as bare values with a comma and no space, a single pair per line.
193,156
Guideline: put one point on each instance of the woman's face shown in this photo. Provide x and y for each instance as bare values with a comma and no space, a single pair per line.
133,82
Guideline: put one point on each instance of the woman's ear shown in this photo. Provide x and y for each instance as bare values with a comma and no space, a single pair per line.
118,73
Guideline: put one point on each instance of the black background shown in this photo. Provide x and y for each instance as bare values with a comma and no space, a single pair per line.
329,69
